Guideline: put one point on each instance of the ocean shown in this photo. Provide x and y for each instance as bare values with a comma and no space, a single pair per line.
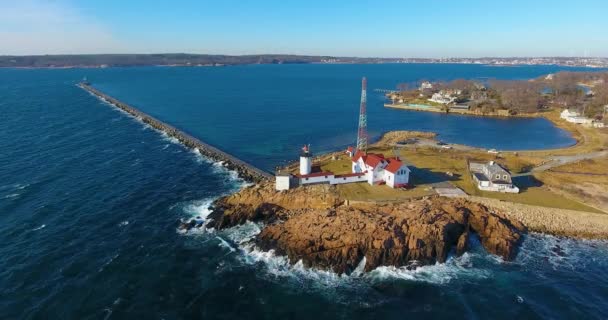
90,198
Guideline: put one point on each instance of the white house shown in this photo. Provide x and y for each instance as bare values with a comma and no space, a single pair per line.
568,114
580,120
492,177
370,168
445,96
425,85
575,117
381,170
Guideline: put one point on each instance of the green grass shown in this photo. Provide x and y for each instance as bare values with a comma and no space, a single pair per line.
363,191
535,196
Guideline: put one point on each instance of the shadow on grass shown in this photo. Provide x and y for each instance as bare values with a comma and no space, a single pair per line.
426,176
525,182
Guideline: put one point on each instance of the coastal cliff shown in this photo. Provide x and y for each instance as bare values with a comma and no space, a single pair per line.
313,225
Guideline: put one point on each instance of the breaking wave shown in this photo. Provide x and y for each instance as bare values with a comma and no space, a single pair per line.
198,208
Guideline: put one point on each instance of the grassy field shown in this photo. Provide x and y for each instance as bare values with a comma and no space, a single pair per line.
567,187
585,180
365,192
440,161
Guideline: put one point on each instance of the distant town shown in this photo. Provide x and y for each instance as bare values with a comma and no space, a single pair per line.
206,60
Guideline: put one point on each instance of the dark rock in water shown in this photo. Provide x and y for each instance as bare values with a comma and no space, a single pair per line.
559,251
309,224
187,225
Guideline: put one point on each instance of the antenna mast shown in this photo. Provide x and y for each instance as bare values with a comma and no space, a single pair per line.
362,134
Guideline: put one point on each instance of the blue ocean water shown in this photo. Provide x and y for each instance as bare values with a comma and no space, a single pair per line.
265,113
89,199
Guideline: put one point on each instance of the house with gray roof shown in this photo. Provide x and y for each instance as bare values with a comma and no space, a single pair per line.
492,177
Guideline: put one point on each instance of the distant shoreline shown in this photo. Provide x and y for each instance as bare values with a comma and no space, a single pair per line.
185,60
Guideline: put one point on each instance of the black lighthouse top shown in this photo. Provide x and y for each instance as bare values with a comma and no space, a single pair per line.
306,151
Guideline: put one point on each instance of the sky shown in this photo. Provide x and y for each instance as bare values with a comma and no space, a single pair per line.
362,28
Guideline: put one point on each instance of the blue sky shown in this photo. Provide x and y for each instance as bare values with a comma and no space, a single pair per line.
470,28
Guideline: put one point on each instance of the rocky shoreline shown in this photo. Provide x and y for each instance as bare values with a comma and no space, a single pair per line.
245,170
558,222
315,226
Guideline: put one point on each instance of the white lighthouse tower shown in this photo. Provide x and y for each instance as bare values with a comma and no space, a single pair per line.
305,160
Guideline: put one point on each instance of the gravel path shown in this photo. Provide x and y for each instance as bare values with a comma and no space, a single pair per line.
557,161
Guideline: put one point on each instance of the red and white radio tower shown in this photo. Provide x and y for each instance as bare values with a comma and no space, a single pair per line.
362,134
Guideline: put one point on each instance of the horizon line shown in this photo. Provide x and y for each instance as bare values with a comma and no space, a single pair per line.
294,54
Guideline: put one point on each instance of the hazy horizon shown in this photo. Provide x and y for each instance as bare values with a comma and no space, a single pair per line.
382,29
293,54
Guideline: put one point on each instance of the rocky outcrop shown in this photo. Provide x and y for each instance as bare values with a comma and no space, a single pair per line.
263,203
391,138
311,225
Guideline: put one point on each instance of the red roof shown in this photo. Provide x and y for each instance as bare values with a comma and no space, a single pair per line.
373,159
393,165
350,149
359,154
315,174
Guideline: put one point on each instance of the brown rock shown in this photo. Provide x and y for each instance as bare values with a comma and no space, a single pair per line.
309,224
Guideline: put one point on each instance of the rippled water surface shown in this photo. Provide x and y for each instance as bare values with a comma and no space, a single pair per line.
89,199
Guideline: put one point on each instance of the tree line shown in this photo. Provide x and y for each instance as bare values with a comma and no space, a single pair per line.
586,92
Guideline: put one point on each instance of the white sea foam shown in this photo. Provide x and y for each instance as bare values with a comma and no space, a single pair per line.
225,244
39,228
218,167
538,250
108,262
439,273
22,186
123,223
280,266
198,208
11,196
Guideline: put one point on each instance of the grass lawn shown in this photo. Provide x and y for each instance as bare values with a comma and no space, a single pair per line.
432,164
532,195
455,161
341,165
365,192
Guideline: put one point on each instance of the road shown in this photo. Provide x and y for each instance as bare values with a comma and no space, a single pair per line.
557,161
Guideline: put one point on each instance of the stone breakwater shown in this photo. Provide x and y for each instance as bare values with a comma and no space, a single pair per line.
245,170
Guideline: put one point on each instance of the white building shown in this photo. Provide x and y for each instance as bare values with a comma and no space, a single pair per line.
492,177
445,96
374,169
381,170
575,117
425,85
568,114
